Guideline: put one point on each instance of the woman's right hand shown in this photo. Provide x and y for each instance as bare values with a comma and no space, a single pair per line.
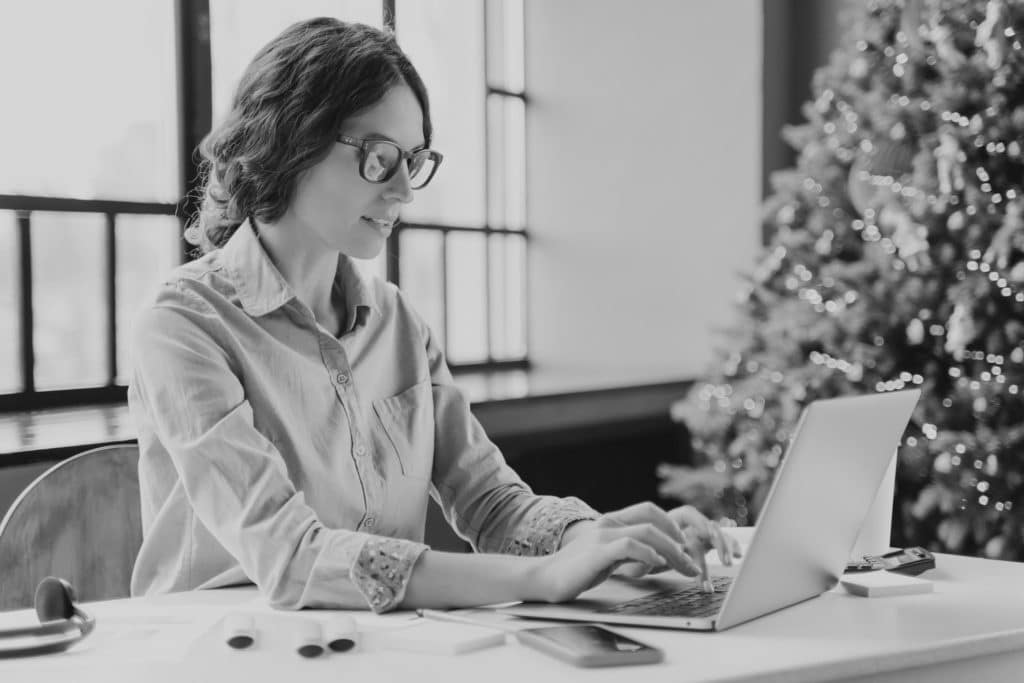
596,552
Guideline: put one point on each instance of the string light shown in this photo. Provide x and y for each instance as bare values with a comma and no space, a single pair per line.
975,265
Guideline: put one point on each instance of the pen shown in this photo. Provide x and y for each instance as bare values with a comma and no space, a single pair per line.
458,619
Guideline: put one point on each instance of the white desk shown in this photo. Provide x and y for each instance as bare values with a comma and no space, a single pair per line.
970,629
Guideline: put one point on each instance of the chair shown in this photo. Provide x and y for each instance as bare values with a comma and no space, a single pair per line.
80,521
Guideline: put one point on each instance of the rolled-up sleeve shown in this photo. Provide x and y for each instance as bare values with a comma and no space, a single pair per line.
483,498
235,480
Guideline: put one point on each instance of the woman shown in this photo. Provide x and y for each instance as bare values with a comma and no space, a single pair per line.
294,416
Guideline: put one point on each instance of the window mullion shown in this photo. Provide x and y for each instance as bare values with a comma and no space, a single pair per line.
28,358
195,99
111,292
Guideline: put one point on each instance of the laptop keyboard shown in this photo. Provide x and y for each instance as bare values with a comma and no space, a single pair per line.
688,602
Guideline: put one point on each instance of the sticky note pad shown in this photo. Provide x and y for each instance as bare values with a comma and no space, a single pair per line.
882,583
438,637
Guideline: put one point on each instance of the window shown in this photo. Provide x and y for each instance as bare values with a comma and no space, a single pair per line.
98,167
466,231
91,152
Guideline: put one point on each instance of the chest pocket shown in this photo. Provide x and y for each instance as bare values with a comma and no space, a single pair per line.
408,421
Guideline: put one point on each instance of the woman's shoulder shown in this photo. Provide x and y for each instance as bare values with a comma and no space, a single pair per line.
197,282
191,292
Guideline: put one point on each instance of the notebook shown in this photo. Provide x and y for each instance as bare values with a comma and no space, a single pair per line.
810,521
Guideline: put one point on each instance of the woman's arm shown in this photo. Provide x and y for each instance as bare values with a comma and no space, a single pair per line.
442,579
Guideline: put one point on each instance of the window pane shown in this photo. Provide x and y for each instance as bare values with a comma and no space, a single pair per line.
239,28
508,296
467,297
515,160
421,274
505,44
506,162
444,40
148,247
496,161
10,372
68,300
90,106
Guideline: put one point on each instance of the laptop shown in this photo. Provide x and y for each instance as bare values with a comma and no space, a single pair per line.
821,494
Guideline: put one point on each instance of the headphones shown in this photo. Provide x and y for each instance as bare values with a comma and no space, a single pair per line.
62,623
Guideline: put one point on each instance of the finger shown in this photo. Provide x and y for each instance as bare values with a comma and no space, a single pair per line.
734,546
690,517
687,515
695,548
630,549
721,544
671,550
649,513
633,570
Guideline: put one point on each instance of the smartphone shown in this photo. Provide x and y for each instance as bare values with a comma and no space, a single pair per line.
589,645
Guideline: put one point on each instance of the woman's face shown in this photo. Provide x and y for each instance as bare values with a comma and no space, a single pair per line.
334,207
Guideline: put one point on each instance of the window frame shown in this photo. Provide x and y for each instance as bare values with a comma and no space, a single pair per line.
486,229
194,120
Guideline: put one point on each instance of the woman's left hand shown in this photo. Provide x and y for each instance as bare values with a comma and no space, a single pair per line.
695,532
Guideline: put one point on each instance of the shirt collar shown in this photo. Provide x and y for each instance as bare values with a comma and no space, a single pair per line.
261,287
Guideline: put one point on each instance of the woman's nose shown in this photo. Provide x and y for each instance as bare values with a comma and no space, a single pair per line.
400,185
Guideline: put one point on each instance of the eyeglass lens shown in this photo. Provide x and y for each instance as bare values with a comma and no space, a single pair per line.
381,159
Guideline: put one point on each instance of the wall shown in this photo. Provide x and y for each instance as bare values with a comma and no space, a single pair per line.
644,179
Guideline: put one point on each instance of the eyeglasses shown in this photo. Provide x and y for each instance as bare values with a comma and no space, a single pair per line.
379,160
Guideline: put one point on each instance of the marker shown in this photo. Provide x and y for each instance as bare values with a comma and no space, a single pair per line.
308,638
239,631
341,633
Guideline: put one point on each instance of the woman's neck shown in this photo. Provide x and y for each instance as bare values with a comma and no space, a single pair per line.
308,269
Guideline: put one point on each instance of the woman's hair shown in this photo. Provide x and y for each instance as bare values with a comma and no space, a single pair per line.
288,110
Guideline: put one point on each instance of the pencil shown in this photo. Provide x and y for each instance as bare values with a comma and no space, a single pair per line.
438,615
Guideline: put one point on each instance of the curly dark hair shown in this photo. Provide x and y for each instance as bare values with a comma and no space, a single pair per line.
290,104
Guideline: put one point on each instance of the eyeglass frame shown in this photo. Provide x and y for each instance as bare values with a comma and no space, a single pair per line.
403,156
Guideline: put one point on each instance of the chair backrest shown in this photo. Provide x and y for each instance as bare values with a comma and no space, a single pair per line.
80,521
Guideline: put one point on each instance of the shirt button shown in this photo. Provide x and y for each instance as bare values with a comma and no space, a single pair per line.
370,521
342,378
360,449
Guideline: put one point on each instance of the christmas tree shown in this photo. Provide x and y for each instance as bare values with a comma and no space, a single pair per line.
894,258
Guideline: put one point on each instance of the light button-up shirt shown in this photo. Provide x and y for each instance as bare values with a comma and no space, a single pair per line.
273,452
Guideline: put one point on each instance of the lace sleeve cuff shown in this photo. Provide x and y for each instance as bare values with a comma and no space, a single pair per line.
542,533
382,570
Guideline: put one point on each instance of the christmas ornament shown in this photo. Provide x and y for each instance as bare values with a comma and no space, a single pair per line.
859,68
1008,237
990,36
941,36
915,332
960,329
909,237
956,221
948,160
873,172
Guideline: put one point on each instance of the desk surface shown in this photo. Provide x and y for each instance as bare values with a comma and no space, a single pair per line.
970,628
